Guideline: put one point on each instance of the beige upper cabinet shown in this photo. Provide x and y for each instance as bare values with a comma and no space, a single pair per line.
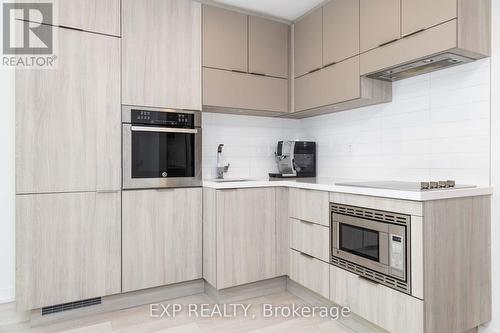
308,43
68,135
268,47
161,53
380,23
225,39
162,237
68,247
422,14
340,30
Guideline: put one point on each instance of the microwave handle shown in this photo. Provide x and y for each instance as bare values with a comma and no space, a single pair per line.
163,129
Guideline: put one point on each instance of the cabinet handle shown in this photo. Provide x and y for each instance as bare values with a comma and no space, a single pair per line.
389,42
107,191
414,33
314,70
306,255
238,71
330,64
306,222
259,74
368,280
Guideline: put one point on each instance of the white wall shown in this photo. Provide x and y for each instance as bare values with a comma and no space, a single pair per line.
7,186
249,143
437,127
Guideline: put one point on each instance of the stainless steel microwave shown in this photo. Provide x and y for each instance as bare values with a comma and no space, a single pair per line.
161,148
371,243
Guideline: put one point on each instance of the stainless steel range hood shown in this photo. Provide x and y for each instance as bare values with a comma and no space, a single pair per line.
421,66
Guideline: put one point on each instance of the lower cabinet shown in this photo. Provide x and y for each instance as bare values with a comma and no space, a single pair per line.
162,237
310,272
310,238
390,309
67,247
239,236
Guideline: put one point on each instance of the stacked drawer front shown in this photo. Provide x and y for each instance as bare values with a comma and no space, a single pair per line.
310,239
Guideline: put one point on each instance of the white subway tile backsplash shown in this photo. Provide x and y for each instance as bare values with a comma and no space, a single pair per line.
436,127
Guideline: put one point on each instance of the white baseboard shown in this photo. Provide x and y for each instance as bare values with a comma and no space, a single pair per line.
7,295
483,329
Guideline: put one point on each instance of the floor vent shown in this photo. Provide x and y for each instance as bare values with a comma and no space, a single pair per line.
71,306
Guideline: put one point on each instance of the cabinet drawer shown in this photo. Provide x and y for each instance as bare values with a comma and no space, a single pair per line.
435,40
310,272
310,238
330,85
383,306
244,91
309,205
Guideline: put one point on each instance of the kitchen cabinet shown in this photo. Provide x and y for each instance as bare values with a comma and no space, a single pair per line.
380,23
334,84
225,39
68,247
390,309
310,272
309,205
308,43
239,240
340,30
162,237
422,14
68,125
310,238
102,16
268,47
263,94
161,53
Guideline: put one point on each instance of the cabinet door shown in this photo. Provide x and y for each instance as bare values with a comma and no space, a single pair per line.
340,30
330,85
244,91
225,39
309,205
246,236
67,247
308,43
101,16
422,14
68,125
161,53
268,47
380,22
162,237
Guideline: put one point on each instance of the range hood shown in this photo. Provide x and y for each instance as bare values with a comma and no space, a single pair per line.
421,66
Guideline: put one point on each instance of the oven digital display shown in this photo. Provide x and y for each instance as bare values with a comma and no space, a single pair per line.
359,241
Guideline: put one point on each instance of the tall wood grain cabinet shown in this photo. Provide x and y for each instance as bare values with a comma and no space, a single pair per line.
161,53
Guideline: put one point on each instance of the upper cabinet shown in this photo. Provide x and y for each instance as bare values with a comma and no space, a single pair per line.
340,30
161,53
75,115
380,23
308,43
225,43
245,63
102,16
423,14
268,47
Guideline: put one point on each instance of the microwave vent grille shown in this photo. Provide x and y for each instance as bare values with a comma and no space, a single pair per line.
372,275
371,214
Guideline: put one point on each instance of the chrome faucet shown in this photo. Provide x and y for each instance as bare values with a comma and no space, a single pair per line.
220,168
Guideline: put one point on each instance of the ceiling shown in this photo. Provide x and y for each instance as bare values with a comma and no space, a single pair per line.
284,9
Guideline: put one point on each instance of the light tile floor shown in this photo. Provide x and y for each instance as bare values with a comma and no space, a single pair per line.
138,320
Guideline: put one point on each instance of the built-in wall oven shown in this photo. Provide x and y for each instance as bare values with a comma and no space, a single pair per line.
373,244
161,148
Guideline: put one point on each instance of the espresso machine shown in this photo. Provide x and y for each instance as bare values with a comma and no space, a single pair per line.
295,159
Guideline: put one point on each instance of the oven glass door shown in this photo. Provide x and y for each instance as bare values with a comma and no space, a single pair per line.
158,153
359,241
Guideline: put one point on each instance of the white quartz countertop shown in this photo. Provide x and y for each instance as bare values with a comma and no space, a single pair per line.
326,185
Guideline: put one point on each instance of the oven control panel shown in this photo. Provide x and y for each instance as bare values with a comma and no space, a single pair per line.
167,119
